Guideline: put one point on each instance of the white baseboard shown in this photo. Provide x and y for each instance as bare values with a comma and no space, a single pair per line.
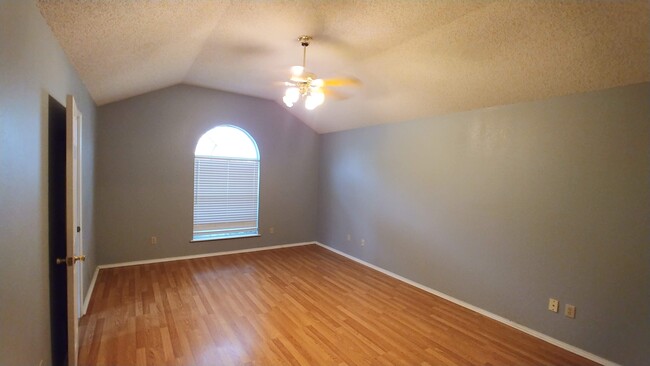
171,259
90,292
486,313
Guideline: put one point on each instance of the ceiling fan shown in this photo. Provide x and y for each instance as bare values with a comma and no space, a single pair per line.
304,84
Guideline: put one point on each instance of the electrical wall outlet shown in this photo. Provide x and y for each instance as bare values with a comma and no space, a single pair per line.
570,311
271,230
363,242
349,237
154,240
553,305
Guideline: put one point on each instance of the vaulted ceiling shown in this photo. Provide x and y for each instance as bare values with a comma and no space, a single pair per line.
415,58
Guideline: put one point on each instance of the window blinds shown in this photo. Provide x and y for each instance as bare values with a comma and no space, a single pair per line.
225,197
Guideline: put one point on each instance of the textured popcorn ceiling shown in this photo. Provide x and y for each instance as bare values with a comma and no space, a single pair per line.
415,58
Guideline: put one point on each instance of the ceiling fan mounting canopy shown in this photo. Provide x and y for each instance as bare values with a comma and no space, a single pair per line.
304,40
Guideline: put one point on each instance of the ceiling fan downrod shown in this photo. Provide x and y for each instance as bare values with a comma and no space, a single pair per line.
304,41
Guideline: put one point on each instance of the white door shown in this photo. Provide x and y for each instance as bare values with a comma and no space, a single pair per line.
73,214
79,247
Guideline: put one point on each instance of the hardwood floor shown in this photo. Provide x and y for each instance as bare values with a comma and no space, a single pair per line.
294,306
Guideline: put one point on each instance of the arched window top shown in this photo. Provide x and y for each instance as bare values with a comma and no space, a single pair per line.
227,142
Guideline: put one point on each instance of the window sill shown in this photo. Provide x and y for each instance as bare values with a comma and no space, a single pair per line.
225,238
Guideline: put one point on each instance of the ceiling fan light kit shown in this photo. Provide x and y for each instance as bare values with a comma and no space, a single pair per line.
305,85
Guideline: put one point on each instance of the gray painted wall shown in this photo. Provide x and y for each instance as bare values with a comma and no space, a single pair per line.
145,157
32,65
501,207
507,206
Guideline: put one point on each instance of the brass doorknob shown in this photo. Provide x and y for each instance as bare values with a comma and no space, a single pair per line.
71,260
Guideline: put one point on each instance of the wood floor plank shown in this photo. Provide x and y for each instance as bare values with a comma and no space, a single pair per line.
294,306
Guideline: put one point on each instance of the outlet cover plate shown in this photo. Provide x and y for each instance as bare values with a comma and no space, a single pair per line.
570,311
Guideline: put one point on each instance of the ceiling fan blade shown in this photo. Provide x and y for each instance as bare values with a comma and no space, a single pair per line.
297,79
303,77
342,82
284,83
297,70
333,94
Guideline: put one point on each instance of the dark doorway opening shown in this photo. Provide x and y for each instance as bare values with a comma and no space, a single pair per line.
57,234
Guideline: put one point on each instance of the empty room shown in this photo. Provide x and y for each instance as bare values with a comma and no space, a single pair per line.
306,182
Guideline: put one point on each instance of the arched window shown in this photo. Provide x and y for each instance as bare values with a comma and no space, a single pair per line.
226,184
